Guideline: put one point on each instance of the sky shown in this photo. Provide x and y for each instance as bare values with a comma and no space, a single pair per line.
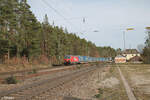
109,18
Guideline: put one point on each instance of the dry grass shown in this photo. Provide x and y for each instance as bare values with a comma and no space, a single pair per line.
112,87
138,77
17,64
19,67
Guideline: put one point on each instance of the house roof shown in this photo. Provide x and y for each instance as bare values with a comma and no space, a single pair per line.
119,56
130,51
136,58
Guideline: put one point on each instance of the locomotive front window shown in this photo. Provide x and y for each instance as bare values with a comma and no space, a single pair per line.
67,57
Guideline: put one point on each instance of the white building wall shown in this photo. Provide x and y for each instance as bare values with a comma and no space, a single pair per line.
120,60
129,56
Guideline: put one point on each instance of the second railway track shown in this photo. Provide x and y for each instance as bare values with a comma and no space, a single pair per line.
25,74
28,92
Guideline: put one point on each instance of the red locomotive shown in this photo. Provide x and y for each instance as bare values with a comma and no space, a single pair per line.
69,59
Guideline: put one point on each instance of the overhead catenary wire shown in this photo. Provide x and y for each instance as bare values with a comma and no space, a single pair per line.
55,10
73,18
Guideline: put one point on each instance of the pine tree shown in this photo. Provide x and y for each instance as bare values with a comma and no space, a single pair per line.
8,24
29,31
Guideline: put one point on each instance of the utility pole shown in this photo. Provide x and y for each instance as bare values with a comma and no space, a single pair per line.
124,40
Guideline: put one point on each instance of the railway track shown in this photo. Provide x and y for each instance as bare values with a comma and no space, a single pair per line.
28,92
25,74
29,70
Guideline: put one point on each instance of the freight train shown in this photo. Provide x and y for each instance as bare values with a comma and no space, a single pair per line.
71,59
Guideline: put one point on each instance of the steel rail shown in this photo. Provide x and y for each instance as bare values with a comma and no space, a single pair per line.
28,91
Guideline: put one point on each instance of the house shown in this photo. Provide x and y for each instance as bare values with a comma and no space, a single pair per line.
130,53
136,59
120,59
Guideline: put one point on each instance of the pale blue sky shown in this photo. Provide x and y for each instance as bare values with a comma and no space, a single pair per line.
110,17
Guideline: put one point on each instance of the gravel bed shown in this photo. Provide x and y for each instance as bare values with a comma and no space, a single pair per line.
83,88
5,87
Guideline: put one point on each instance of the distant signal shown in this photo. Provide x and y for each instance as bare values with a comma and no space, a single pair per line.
83,20
96,31
148,28
128,29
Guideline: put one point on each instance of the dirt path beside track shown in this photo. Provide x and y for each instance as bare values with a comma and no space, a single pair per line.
127,87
